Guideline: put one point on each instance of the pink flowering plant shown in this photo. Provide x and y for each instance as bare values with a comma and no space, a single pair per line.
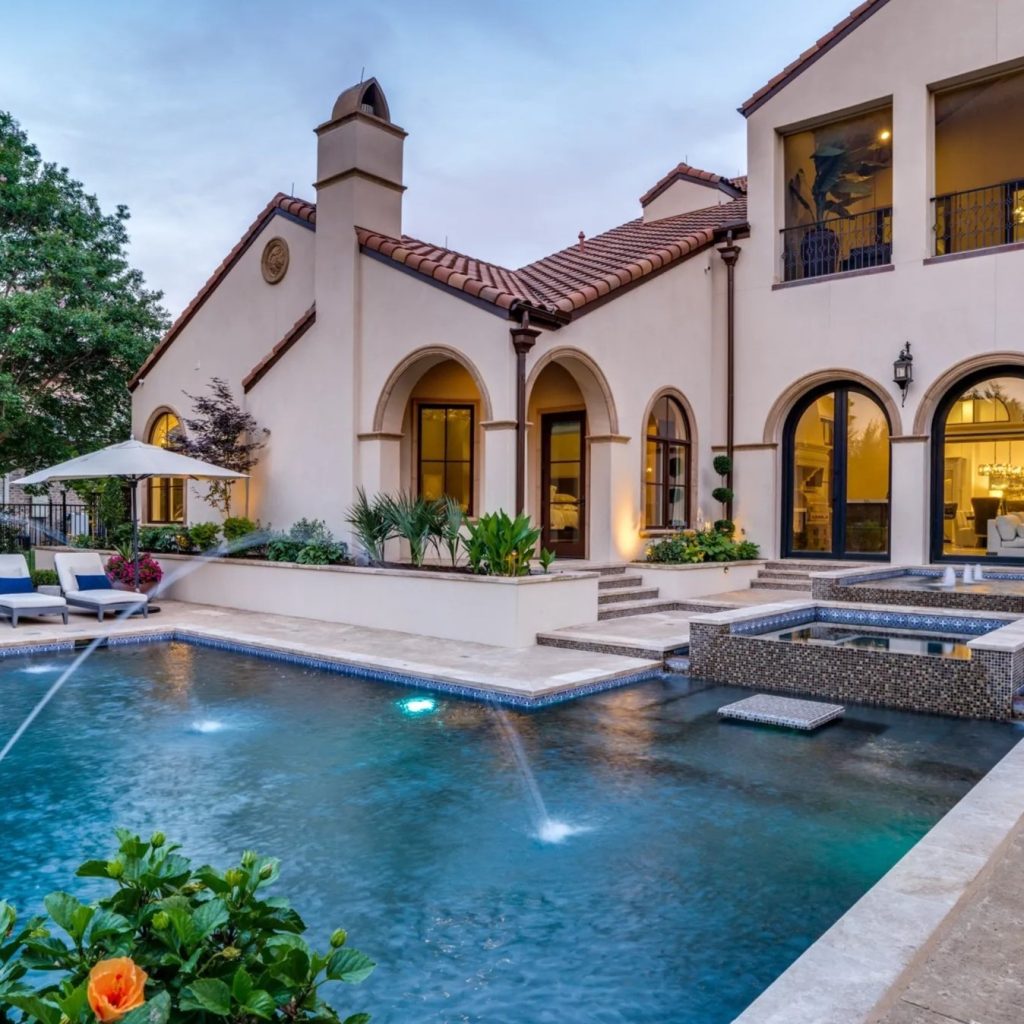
122,570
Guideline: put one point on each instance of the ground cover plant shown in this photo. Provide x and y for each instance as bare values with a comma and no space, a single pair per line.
172,944
714,544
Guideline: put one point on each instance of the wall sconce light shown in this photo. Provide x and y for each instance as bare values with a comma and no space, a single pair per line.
903,372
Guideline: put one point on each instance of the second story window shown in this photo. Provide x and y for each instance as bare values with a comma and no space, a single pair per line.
979,165
838,196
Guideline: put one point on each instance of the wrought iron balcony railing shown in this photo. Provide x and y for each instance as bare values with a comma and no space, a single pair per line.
979,218
838,245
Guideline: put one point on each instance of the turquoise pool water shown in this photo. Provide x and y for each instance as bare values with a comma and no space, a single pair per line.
706,857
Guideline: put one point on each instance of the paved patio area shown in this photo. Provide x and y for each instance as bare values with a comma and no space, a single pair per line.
531,672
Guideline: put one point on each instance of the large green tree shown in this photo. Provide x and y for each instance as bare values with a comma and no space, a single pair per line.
75,319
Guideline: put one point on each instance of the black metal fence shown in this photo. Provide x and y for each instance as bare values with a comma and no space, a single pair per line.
27,523
979,217
837,245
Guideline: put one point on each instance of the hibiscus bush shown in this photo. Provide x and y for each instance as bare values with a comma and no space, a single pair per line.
122,569
172,944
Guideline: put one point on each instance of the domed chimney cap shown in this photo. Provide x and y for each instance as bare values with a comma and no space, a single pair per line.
365,98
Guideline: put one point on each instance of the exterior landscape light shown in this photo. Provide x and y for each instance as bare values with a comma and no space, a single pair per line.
903,371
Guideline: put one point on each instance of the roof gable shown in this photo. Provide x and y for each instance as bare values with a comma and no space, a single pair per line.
296,209
832,38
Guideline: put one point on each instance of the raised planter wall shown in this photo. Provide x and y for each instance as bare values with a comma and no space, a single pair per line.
494,610
680,582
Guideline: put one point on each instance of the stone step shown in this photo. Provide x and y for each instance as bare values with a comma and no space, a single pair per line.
783,574
810,565
626,594
617,611
619,582
803,586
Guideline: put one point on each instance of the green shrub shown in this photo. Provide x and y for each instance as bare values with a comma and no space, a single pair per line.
371,523
311,531
204,535
236,527
167,540
691,546
83,540
284,549
546,558
201,945
416,521
329,552
726,526
499,545
121,535
722,494
45,578
722,464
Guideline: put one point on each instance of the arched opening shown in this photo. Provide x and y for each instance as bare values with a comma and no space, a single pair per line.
667,466
836,472
978,467
165,496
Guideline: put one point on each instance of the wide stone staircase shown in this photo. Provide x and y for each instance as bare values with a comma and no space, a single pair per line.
621,593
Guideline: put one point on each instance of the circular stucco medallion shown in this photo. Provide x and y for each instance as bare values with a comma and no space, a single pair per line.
274,262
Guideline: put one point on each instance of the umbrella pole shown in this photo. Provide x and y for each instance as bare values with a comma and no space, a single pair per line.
135,531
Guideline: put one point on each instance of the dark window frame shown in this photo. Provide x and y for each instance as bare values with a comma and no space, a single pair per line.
445,407
663,455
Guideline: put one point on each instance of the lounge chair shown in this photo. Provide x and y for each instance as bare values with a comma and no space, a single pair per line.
81,573
25,601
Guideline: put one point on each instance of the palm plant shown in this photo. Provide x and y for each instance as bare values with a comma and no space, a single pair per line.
413,519
450,519
371,523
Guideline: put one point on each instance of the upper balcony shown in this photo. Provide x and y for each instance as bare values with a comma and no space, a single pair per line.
979,165
838,202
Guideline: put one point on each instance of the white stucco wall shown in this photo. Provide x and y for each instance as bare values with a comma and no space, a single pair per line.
950,311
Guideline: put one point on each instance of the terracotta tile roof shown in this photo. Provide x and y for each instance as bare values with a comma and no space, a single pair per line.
281,203
297,330
684,172
853,20
577,275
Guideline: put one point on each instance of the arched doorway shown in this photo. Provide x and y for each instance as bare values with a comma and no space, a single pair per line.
836,472
978,466
165,496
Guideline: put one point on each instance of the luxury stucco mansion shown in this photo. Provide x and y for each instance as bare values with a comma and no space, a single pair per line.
763,317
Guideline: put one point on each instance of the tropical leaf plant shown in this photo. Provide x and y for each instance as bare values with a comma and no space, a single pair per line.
196,945
449,522
499,545
415,520
371,523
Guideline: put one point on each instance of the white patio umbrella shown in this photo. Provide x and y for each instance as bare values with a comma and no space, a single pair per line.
132,461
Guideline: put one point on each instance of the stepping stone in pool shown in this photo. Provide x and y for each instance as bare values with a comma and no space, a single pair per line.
767,709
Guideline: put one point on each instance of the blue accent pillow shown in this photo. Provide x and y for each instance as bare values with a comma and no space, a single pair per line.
16,585
98,582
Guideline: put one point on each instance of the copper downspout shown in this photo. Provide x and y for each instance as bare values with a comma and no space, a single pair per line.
523,339
730,253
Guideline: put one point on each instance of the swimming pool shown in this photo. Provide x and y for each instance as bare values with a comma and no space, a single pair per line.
889,641
699,857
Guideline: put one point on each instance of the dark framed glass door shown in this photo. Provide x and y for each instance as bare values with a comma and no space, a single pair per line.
563,483
836,476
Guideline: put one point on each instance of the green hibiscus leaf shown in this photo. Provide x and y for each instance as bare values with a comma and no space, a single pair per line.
241,986
358,1018
69,913
154,1011
209,994
209,917
259,1004
349,965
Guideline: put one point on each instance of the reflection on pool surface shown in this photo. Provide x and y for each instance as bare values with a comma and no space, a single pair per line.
703,858
892,642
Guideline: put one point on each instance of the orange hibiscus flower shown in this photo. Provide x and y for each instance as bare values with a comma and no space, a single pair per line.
115,987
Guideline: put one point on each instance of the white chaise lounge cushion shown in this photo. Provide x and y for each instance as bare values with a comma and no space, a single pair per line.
72,564
23,602
1006,526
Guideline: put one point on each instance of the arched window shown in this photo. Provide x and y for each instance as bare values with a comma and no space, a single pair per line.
978,466
837,470
165,495
667,467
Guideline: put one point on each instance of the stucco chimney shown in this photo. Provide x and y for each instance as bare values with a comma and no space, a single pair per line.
359,163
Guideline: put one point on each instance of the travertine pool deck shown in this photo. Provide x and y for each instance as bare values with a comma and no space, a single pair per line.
533,673
650,636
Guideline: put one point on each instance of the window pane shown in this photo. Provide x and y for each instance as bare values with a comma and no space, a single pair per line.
677,506
457,483
653,463
432,433
566,437
459,434
867,476
813,442
652,507
432,480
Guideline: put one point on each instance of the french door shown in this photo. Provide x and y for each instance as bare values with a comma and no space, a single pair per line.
563,483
